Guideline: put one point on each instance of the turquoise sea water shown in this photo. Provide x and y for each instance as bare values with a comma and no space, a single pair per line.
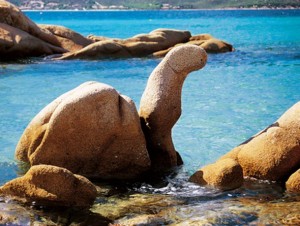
236,95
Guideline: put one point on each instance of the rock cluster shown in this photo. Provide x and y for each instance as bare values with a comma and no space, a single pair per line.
96,132
93,131
20,37
274,153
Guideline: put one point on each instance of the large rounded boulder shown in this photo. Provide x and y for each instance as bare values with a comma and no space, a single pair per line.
91,130
51,185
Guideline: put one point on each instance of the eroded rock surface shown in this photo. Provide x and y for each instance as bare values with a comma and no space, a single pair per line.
225,174
138,46
15,43
68,39
293,183
274,153
74,46
205,41
91,130
160,105
51,185
14,17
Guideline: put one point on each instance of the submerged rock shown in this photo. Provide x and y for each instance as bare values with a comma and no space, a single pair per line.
117,207
91,130
51,185
225,174
293,183
160,105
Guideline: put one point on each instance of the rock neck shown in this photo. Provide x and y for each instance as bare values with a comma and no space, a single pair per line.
160,105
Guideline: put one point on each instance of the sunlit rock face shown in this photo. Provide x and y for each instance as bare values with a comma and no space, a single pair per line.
15,43
68,39
206,41
225,174
160,105
20,37
91,130
51,185
274,153
293,183
14,17
141,45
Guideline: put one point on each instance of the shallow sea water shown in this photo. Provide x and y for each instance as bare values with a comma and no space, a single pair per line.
236,95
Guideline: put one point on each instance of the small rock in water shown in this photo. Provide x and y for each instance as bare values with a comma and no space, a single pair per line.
51,185
225,174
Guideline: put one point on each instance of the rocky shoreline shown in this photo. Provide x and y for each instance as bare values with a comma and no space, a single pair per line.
95,134
21,37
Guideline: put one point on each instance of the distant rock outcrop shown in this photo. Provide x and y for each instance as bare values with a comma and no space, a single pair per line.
68,39
15,43
206,41
138,46
51,185
160,105
20,37
157,43
91,130
13,16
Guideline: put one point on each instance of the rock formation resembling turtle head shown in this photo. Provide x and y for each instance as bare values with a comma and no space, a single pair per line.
94,131
160,105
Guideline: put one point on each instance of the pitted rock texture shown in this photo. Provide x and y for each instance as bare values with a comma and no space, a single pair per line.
91,130
225,174
274,153
51,185
160,105
293,183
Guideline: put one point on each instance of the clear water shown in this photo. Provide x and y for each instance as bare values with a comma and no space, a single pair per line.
233,97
